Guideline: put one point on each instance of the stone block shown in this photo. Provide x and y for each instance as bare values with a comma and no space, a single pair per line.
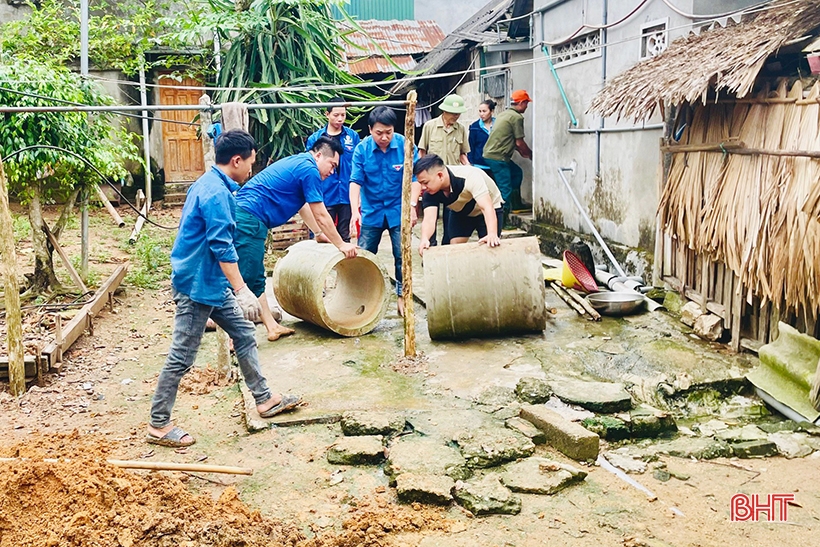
487,496
568,437
527,429
741,434
603,397
495,397
607,427
431,489
791,445
533,390
372,423
699,448
425,456
689,313
626,462
488,447
709,327
673,302
649,422
540,476
754,449
366,450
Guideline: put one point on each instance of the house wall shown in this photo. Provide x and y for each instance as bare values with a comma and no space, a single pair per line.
12,13
449,15
616,173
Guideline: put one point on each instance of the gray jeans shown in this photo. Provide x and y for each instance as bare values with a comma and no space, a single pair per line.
189,325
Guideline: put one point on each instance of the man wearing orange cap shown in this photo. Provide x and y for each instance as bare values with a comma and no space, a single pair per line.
506,137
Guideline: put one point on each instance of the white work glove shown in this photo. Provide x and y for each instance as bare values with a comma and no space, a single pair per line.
249,304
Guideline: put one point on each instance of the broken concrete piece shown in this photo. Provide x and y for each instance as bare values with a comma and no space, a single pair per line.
540,476
571,413
527,429
699,448
432,489
607,427
673,302
488,447
709,327
367,450
568,437
495,397
603,397
689,313
513,409
372,423
711,427
487,496
791,445
425,456
754,449
625,462
533,390
647,421
738,435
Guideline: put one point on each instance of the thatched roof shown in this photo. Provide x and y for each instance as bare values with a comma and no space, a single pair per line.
721,59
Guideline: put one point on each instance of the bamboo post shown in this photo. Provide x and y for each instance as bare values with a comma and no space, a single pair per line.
155,466
64,258
135,234
110,208
11,288
406,229
223,348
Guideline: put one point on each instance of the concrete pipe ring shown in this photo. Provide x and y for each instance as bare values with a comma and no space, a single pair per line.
314,282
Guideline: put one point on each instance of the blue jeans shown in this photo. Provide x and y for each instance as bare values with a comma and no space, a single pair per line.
370,238
189,325
508,177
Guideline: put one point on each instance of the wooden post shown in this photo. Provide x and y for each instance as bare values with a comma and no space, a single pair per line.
406,229
58,336
11,288
110,208
66,262
223,350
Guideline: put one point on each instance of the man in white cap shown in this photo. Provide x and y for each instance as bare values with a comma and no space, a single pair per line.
448,139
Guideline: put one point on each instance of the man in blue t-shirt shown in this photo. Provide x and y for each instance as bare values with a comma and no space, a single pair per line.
206,282
376,183
336,187
270,199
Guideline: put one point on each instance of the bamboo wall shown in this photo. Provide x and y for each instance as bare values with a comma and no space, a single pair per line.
740,234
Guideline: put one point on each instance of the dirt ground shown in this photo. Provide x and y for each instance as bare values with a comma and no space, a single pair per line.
96,409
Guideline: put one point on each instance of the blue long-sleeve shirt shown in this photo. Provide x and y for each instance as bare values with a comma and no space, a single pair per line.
380,176
205,238
281,189
477,139
336,187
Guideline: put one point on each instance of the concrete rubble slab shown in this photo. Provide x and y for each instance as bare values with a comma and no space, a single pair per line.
648,422
603,397
626,462
431,489
540,476
527,429
608,427
568,437
792,445
372,423
425,456
365,450
489,447
742,434
495,397
698,448
533,390
761,448
487,496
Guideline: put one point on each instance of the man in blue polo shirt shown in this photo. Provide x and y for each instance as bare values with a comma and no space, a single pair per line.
336,187
206,282
376,183
270,199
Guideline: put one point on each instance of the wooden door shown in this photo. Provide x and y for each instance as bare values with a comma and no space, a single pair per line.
182,149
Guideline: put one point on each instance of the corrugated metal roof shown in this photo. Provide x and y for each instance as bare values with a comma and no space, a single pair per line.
376,65
481,21
394,37
378,9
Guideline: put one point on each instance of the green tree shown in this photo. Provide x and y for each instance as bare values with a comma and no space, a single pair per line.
277,43
40,176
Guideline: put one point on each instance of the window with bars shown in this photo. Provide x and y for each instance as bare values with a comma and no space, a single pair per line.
654,38
580,48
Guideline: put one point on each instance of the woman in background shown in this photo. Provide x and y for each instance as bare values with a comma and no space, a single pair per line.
480,132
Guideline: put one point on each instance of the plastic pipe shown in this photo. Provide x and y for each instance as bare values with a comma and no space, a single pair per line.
573,120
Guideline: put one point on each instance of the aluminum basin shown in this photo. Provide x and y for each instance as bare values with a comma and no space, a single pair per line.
616,303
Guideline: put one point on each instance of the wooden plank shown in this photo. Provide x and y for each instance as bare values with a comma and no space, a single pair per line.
737,311
728,318
697,298
80,322
29,364
66,262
